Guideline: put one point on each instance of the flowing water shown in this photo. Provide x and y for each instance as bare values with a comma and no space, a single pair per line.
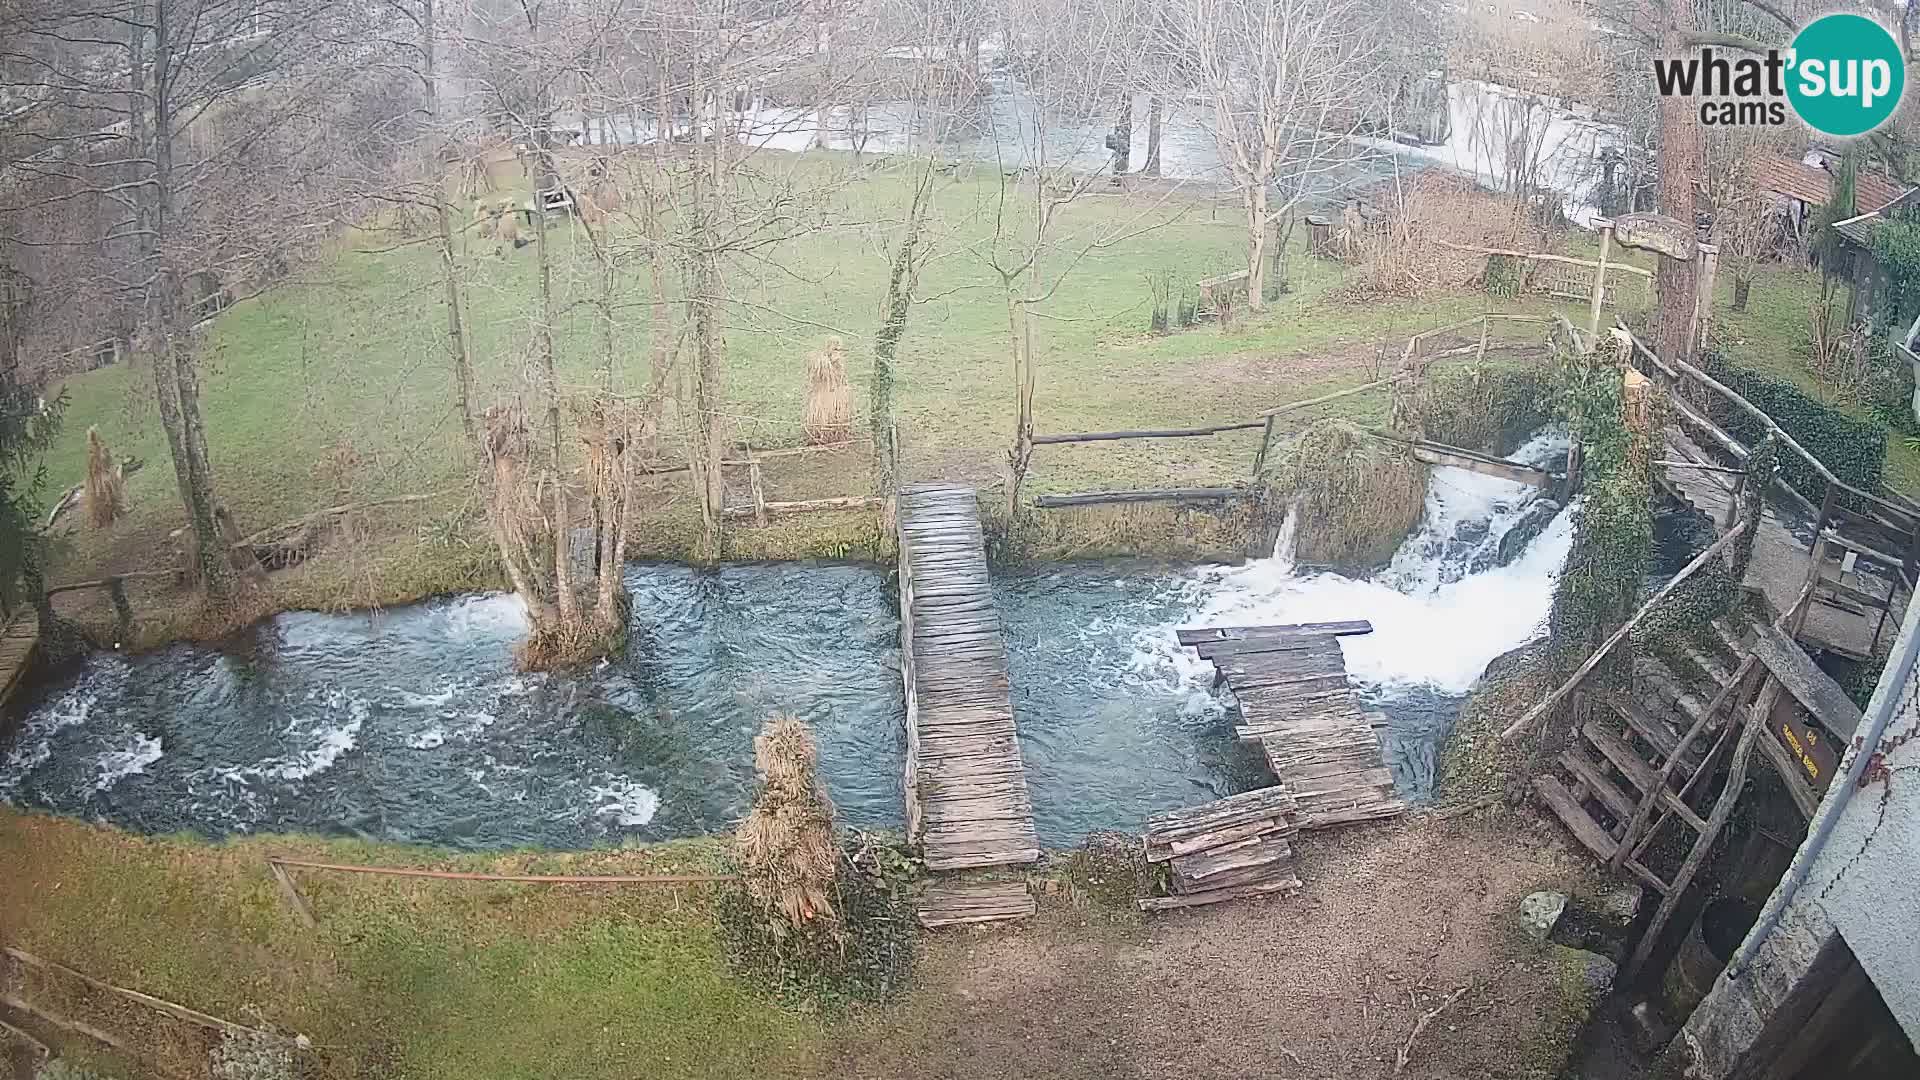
412,725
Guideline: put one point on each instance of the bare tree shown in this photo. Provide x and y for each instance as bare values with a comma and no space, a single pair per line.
205,132
1287,87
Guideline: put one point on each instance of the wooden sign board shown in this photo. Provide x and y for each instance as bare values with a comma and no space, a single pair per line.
1816,751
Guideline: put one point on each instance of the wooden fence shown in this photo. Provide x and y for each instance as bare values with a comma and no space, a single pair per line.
1418,354
1880,527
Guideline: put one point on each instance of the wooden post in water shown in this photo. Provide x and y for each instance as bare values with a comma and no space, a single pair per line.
122,610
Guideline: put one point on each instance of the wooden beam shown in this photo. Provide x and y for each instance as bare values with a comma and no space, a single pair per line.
853,502
1454,457
1651,799
1324,398
1620,635
1165,433
1094,498
1195,635
1812,687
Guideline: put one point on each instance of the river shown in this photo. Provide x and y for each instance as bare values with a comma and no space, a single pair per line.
412,725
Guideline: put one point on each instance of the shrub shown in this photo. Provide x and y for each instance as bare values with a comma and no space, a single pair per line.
1856,450
805,922
1357,496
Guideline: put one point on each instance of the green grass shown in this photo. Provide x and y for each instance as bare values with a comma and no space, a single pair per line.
404,978
347,364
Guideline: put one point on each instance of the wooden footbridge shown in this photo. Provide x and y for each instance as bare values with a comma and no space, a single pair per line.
18,640
1296,704
966,785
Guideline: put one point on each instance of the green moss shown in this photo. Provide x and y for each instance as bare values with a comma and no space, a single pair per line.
1356,496
1491,407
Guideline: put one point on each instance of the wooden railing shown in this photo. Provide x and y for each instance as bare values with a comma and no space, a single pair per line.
1404,383
1881,527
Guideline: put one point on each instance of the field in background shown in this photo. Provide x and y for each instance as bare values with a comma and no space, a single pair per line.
335,387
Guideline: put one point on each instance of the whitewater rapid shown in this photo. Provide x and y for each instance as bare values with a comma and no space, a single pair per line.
1441,610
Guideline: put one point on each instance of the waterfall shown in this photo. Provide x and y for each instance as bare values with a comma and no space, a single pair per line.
1473,580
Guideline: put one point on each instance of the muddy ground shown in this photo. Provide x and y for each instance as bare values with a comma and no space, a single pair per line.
1392,921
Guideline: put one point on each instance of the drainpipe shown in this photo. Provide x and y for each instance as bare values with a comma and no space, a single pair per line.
1886,699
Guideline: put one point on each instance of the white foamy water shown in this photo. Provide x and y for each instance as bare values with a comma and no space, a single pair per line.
131,760
1441,611
326,739
629,804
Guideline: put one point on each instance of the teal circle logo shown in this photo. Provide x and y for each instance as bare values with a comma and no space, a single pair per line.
1846,75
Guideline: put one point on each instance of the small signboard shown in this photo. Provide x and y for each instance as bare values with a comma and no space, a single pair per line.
1816,751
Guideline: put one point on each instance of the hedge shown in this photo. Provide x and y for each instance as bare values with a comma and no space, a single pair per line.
1855,450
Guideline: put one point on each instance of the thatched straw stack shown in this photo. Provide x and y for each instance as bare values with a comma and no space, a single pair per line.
788,856
829,417
106,489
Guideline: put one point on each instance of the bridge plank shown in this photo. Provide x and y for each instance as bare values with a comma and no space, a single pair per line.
968,804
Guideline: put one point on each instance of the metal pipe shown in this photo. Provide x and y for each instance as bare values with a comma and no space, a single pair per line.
1886,700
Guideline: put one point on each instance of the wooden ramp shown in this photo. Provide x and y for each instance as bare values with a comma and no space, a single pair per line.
958,903
966,787
1781,560
1291,682
17,643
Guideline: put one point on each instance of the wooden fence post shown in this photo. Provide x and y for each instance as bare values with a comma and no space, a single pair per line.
1599,283
292,893
1266,441
759,489
122,610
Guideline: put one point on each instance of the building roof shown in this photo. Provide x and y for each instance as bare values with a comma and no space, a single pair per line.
1813,184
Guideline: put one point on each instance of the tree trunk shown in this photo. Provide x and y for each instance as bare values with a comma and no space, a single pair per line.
176,383
1152,165
1256,203
1020,330
459,349
902,279
1121,141
821,81
1741,286
1681,164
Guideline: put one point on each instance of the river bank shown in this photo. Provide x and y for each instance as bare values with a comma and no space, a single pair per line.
435,979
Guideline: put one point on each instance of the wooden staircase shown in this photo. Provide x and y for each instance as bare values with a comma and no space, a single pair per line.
1643,754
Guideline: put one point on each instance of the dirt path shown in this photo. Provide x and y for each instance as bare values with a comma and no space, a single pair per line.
1329,984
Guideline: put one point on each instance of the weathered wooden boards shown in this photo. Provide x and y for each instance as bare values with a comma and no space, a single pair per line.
1291,682
958,903
1225,850
17,642
1780,560
967,802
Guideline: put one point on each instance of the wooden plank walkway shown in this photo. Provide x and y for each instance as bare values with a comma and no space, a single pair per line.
1291,682
1780,559
966,786
17,643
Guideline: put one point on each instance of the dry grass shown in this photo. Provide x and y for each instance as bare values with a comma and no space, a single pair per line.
829,411
789,860
1408,254
106,487
1357,497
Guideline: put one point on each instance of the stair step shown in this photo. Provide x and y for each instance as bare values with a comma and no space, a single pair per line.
1660,733
1714,667
1734,638
1643,776
1590,773
1568,809
1631,765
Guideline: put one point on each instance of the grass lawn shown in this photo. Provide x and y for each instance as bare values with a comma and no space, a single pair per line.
335,387
400,978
